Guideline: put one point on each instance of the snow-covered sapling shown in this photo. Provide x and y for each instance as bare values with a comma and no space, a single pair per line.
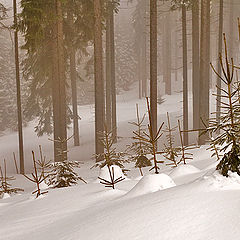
43,164
5,186
63,174
184,155
112,181
36,178
110,156
151,139
139,147
170,152
227,126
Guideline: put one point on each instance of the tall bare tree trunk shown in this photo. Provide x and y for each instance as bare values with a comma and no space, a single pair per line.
108,71
144,54
168,55
18,85
195,63
220,35
113,78
59,87
185,78
204,67
73,76
153,64
98,73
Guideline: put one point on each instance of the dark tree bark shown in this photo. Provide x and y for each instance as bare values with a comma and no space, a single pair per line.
98,73
73,76
185,78
153,64
168,55
204,67
113,78
59,87
18,85
220,35
144,54
108,71
195,63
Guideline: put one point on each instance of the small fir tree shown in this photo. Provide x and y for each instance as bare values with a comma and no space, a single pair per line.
43,164
110,156
63,174
229,123
151,140
184,155
5,186
170,152
36,178
139,147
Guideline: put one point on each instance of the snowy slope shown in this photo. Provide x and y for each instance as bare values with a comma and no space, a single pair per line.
195,210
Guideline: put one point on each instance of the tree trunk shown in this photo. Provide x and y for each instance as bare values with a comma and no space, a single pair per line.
195,63
108,72
73,76
220,35
168,55
185,78
204,67
113,79
59,87
144,54
18,85
98,73
153,64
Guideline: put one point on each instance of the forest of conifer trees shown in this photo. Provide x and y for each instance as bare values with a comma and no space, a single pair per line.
119,86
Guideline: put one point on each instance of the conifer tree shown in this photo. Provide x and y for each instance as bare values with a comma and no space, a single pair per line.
110,156
139,147
5,186
170,152
150,139
228,123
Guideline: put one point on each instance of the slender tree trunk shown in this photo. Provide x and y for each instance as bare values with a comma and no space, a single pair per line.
204,67
185,78
220,35
176,49
113,80
59,87
153,64
195,63
108,71
73,76
74,97
168,80
231,33
99,85
144,54
18,85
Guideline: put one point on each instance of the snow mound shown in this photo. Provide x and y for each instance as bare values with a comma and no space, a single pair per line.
183,170
6,195
211,166
221,182
151,183
104,173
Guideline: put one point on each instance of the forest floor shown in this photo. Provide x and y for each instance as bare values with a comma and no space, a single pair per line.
195,202
190,202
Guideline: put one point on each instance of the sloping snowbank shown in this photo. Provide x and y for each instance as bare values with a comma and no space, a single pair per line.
183,170
151,183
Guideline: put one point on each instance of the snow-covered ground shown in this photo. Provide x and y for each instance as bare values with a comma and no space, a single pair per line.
190,202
